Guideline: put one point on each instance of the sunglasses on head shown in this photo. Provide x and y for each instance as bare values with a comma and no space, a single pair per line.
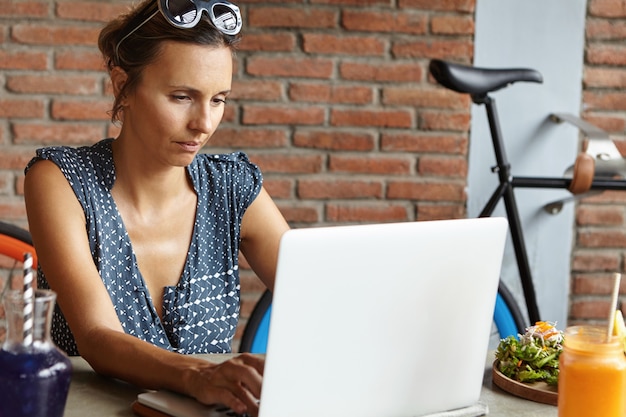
185,14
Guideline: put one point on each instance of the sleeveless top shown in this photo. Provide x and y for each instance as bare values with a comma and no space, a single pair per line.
201,312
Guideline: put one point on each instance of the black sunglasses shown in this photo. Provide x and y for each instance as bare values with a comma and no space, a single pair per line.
186,14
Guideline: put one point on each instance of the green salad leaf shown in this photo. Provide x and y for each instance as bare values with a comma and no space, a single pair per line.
534,356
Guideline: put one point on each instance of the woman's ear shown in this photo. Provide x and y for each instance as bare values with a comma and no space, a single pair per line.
118,79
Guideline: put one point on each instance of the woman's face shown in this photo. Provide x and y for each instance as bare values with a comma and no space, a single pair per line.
179,101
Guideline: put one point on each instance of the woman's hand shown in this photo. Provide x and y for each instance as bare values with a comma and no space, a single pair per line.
235,383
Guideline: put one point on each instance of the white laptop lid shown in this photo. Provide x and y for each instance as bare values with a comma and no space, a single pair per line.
382,320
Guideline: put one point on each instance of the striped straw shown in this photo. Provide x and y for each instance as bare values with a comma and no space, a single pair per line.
28,299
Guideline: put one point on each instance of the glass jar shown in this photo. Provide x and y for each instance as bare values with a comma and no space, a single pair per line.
34,378
592,374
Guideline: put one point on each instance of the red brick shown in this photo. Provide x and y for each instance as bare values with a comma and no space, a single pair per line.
256,90
374,165
19,184
587,261
81,110
50,84
91,11
385,21
381,71
361,3
248,138
18,108
430,97
466,6
289,17
589,309
606,54
606,197
433,191
299,214
23,60
452,25
601,29
288,163
374,118
595,284
374,213
341,189
56,133
279,188
602,239
6,183
89,60
609,123
268,42
459,122
607,8
12,210
446,49
334,140
332,94
442,166
15,159
605,100
290,67
54,35
314,43
309,115
599,216
20,9
438,211
452,143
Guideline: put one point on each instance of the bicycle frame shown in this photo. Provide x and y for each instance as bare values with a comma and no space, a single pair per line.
505,191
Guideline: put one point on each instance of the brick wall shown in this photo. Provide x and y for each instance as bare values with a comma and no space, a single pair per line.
331,99
600,220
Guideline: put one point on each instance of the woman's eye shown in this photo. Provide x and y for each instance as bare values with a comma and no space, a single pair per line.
219,100
180,97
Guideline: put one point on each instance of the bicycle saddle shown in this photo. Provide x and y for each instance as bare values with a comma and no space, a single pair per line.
479,81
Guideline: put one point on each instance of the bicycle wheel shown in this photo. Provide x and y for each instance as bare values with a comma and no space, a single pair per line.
15,242
254,338
507,315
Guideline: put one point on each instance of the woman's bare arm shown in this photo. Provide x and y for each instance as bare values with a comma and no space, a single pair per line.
261,230
57,224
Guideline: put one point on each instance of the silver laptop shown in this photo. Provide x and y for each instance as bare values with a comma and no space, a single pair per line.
380,320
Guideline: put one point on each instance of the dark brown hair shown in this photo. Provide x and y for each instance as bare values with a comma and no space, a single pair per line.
142,47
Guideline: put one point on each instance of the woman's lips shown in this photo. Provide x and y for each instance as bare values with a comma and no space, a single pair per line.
189,146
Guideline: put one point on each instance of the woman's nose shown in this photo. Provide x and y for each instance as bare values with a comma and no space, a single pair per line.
202,119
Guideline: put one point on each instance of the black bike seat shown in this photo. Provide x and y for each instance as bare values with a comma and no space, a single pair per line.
479,81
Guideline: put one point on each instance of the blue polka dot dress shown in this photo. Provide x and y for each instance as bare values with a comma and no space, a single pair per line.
200,314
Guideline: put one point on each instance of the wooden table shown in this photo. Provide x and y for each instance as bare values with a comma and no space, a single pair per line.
94,395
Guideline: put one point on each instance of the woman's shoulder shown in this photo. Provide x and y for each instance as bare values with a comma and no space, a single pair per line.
73,156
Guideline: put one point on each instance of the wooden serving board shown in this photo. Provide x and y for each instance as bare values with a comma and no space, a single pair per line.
537,391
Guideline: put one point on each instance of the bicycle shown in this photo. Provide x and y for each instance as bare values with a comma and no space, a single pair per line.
592,172
15,242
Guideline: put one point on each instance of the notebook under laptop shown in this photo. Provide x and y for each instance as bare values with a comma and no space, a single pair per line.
380,320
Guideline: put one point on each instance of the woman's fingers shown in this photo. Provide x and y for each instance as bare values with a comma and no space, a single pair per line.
235,383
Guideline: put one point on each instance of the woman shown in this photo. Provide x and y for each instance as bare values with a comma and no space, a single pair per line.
139,235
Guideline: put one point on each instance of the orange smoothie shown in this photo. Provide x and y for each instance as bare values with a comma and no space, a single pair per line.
592,374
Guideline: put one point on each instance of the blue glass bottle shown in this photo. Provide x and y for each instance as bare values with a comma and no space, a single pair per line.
35,378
